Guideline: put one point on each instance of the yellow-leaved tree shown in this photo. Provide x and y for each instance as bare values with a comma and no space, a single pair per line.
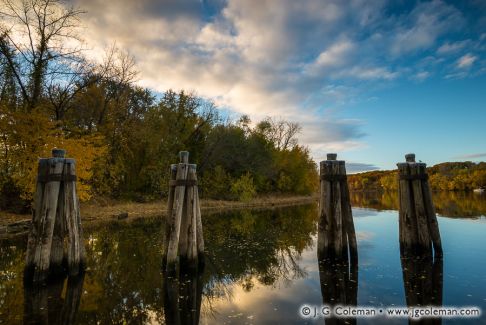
26,137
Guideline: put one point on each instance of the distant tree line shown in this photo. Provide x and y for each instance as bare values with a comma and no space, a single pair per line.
448,176
123,136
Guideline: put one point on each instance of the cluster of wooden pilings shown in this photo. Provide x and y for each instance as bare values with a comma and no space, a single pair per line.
418,234
184,241
55,244
418,227
336,236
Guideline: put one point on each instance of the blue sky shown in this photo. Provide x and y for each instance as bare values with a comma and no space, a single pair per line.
370,80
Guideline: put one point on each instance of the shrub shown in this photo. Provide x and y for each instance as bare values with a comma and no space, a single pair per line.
243,188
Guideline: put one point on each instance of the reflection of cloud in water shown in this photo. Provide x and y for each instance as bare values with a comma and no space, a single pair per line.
364,212
365,235
365,246
267,304
241,306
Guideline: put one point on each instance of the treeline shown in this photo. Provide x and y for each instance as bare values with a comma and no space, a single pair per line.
448,176
124,137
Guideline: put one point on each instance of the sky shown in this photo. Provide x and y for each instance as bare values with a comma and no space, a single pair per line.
369,80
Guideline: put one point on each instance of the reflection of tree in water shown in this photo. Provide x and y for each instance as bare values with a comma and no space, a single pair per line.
423,281
447,204
262,246
124,282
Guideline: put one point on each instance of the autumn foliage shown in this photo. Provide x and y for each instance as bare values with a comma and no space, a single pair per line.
448,176
123,137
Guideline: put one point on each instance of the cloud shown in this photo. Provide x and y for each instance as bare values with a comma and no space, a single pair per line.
353,168
452,47
421,76
466,61
332,57
420,28
296,60
472,156
369,73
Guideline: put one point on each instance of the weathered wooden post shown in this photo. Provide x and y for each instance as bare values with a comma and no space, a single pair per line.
418,227
183,235
336,234
55,241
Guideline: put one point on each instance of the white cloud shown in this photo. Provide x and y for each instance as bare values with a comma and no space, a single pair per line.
332,57
369,73
421,76
452,47
423,25
466,61
287,58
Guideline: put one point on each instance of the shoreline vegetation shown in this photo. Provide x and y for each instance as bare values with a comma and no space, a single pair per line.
452,204
447,176
97,212
123,136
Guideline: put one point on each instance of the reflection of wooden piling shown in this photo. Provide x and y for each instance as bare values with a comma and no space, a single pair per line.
44,304
55,236
339,286
336,235
183,235
423,281
182,298
418,227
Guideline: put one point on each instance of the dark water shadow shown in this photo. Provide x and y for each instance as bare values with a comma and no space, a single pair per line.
45,304
423,282
339,286
182,298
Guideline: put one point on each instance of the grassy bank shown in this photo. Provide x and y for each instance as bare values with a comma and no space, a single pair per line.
98,211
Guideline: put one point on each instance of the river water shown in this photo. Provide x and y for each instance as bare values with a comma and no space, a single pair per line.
261,268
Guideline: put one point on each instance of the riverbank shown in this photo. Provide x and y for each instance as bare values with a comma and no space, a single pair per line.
96,212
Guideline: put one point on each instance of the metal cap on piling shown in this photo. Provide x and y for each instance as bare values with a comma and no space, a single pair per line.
410,157
58,153
331,156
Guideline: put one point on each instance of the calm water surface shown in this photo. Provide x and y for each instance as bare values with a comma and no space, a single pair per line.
261,267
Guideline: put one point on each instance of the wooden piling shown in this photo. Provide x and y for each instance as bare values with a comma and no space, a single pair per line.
336,234
55,218
168,219
418,227
183,234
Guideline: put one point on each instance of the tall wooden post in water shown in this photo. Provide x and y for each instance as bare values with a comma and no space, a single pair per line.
183,232
336,235
55,240
418,226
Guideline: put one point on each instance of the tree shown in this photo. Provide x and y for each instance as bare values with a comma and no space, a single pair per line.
279,132
36,38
